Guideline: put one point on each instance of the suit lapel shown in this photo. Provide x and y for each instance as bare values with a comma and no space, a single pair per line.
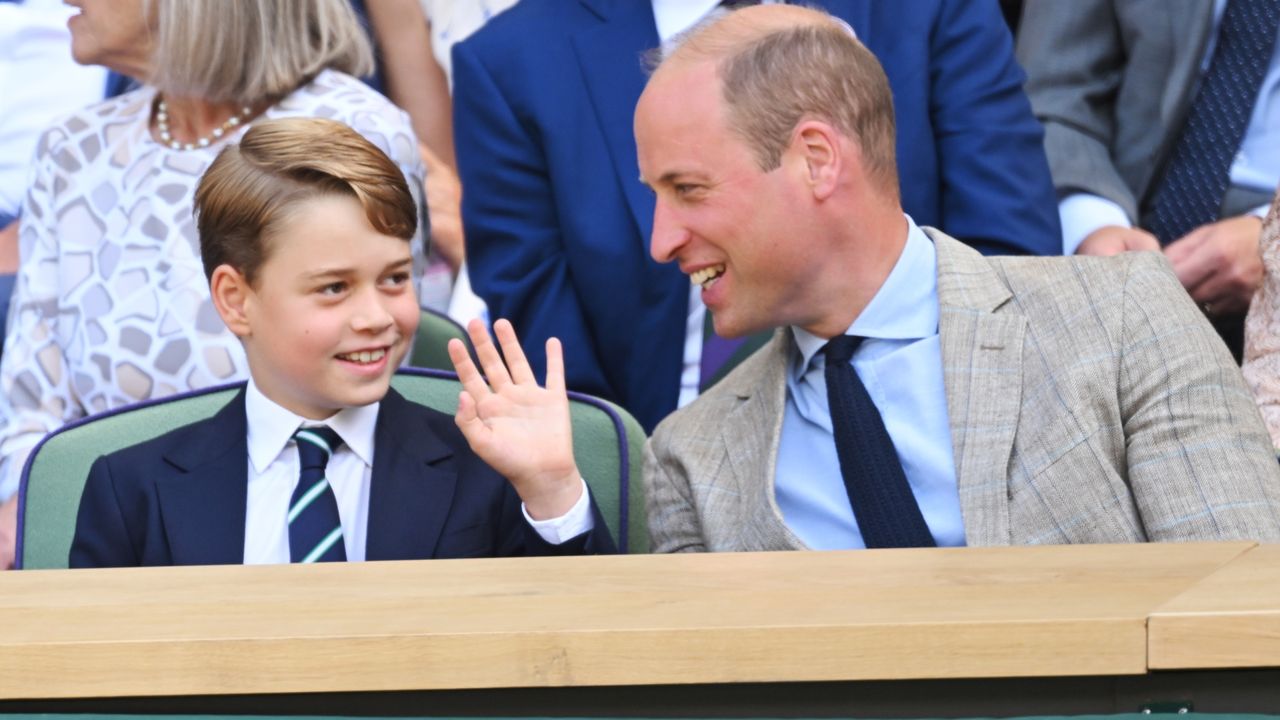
610,57
410,494
749,439
982,372
203,503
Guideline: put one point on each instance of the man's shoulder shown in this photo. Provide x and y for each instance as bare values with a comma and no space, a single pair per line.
1049,283
1066,285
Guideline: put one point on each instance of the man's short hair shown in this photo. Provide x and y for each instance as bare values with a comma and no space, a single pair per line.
243,51
254,186
773,76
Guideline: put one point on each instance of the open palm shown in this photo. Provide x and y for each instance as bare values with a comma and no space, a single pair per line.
521,429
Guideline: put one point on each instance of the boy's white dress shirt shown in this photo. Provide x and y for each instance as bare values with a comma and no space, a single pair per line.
273,474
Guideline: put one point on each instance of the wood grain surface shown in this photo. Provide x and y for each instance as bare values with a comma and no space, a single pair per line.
626,620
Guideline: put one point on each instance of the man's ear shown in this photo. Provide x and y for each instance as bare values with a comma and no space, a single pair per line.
231,295
823,156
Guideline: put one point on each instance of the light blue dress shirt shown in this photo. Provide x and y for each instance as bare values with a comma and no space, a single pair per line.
900,363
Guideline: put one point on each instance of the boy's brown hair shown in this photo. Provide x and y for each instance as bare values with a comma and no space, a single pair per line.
255,185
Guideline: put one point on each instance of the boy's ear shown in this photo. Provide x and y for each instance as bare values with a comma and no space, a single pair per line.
231,294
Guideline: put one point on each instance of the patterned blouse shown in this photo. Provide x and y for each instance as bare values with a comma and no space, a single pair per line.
111,305
1262,328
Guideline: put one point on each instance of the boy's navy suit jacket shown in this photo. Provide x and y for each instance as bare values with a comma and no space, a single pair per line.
180,499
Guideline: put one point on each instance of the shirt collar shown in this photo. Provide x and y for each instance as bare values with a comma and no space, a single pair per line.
271,427
673,17
904,308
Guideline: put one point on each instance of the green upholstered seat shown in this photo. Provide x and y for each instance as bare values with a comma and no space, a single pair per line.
430,343
607,442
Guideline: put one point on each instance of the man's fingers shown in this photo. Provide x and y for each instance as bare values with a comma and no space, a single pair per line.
1192,270
517,363
555,367
1187,245
470,377
490,360
1139,240
1193,259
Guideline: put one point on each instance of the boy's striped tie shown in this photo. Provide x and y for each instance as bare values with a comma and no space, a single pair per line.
315,530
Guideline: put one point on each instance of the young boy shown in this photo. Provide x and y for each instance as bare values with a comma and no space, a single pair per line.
304,232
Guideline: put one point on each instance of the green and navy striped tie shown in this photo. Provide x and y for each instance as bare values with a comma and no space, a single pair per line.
315,530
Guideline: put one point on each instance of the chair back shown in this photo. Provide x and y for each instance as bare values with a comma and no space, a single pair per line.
608,445
430,344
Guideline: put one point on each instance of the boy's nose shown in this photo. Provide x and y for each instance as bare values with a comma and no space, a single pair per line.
372,313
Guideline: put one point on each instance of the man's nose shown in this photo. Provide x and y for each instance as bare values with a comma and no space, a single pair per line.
669,235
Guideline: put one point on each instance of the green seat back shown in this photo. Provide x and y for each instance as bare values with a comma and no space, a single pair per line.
430,343
607,442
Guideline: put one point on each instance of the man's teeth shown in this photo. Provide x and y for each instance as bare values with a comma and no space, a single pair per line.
706,276
365,356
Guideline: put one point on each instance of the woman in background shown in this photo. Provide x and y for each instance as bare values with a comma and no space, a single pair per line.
111,305
415,38
1262,328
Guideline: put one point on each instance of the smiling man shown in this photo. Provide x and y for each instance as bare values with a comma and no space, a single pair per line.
916,393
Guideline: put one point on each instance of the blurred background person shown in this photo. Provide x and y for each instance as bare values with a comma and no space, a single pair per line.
39,83
1262,329
415,39
1161,126
111,305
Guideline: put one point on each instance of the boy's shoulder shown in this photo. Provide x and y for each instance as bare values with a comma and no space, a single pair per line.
224,431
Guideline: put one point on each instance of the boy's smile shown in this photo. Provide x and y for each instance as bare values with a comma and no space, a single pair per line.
332,311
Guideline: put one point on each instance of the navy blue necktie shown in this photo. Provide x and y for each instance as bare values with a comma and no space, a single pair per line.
1196,179
887,513
315,530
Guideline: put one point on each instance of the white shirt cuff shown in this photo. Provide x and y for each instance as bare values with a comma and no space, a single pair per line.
1260,211
1083,213
569,525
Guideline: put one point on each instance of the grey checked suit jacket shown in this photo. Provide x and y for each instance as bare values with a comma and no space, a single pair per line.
1089,402
1112,81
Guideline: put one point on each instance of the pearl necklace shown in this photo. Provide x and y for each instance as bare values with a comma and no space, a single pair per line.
166,137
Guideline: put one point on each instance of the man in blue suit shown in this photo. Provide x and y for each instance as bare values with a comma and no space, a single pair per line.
557,222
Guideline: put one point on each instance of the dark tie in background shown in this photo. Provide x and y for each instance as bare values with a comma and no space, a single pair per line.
315,530
1196,178
887,513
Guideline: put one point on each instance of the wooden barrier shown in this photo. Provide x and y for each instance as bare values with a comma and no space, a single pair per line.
748,621
1230,619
